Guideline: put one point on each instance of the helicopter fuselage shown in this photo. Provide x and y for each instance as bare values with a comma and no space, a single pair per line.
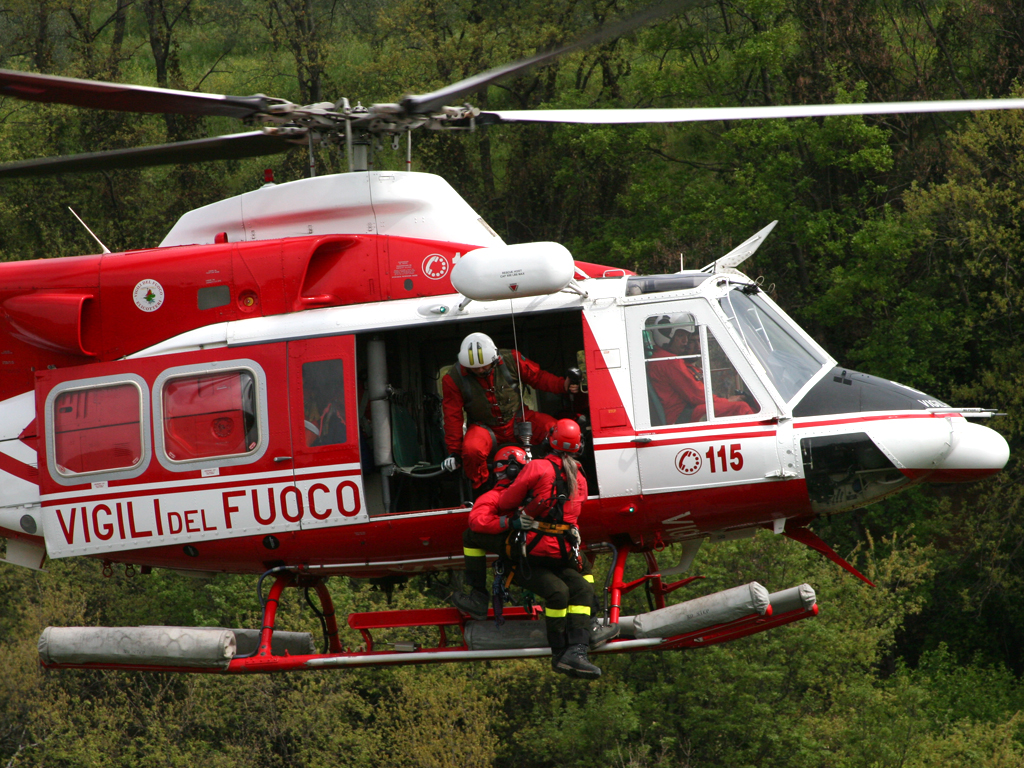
175,416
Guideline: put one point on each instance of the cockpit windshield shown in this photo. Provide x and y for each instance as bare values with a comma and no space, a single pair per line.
789,360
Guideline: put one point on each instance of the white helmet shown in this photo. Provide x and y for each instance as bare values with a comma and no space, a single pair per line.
477,350
664,327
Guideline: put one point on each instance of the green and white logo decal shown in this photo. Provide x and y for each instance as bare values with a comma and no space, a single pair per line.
148,295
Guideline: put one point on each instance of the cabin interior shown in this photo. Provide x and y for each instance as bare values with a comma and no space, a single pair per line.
403,473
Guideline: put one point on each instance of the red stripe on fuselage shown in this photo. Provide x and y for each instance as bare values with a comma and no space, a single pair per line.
655,441
19,469
860,419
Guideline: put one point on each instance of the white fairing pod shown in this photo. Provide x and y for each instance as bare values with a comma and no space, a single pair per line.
419,205
508,271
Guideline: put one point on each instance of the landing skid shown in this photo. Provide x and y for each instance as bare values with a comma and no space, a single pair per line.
708,620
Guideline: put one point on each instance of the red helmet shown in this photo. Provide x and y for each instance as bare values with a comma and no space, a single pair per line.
508,456
565,436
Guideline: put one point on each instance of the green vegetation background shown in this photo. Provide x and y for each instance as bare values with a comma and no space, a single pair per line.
899,247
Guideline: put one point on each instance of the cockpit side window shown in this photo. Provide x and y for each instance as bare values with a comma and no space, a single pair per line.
676,367
789,361
672,358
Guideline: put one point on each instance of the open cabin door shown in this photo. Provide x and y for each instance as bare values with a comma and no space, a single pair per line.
704,417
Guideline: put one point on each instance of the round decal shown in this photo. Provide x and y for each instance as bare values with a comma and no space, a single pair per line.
435,266
688,461
148,295
222,427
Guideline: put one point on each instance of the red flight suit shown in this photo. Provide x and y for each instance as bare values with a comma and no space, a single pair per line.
567,594
478,443
675,382
535,485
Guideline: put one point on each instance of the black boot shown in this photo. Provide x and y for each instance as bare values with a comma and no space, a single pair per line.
475,603
601,633
573,662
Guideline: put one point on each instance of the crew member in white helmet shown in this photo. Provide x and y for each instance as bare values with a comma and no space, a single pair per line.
485,384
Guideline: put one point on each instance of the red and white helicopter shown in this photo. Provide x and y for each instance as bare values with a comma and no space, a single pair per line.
158,408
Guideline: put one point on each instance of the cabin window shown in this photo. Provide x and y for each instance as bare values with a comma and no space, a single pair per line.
97,428
209,414
323,397
675,363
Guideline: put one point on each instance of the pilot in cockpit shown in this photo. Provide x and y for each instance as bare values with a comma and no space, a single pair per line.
675,374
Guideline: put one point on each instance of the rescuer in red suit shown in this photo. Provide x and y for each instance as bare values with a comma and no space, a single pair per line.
553,489
487,532
677,382
485,384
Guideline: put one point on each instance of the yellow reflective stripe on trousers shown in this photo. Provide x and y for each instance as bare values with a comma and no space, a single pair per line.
474,552
555,613
581,609
588,577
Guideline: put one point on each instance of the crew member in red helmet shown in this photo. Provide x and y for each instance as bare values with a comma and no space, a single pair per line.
485,384
550,491
487,532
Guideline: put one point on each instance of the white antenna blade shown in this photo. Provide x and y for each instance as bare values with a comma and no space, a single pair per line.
741,252
105,249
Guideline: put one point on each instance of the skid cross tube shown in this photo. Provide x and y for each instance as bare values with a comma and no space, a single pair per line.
618,588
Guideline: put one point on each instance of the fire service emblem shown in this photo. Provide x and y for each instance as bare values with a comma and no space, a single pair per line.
148,295
688,461
435,266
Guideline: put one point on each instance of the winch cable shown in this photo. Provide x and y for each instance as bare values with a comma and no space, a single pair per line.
259,584
519,374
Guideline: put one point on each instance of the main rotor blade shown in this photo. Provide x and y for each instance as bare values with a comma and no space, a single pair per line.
708,114
432,102
230,147
127,98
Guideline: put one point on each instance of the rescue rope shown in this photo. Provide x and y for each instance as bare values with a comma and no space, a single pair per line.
519,374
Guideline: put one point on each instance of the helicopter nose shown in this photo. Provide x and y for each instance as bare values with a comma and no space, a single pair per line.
977,452
940,449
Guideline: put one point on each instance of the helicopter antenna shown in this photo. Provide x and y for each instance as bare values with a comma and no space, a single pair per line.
105,249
